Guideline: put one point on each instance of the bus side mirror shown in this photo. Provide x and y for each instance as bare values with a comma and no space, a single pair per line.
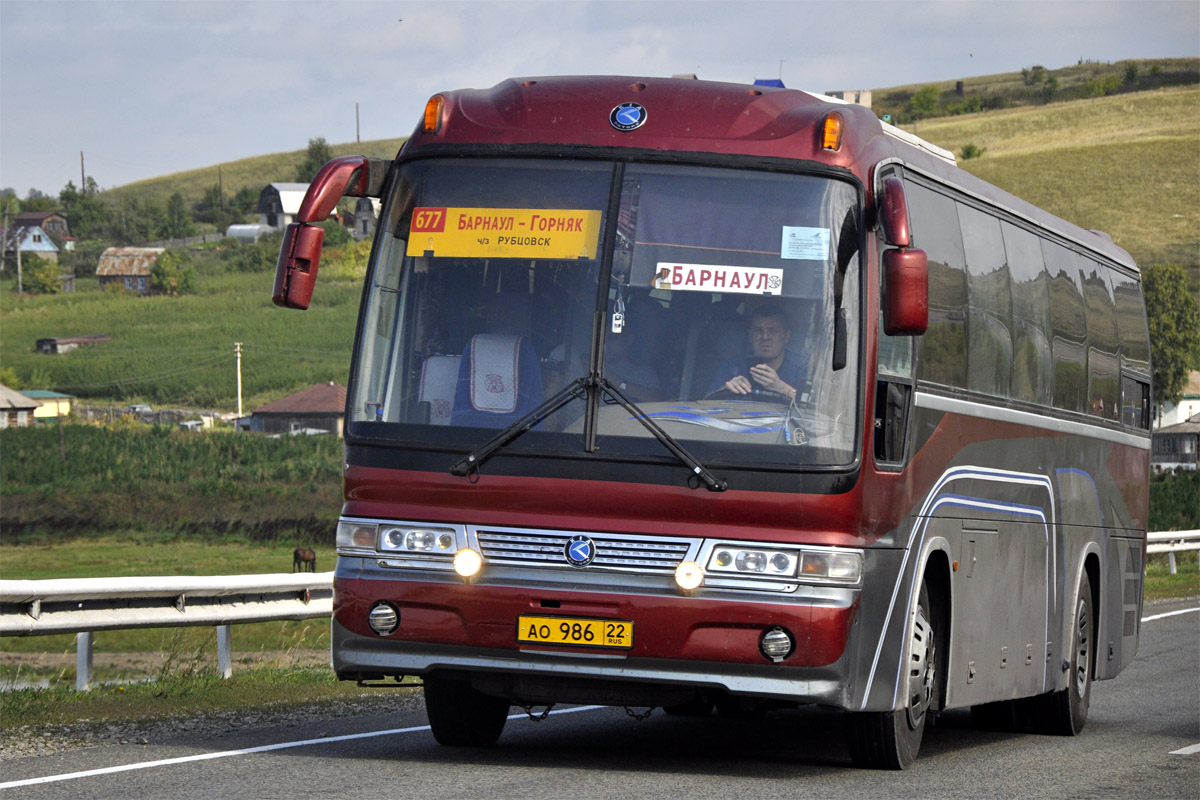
300,252
893,213
905,292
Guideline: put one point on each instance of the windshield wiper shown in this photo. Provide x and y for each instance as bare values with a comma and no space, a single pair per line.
581,388
576,389
713,483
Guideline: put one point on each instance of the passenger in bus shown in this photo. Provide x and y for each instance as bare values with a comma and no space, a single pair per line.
771,367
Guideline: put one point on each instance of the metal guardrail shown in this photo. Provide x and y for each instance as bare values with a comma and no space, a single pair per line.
87,605
1172,542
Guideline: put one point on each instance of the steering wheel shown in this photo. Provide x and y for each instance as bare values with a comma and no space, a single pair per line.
755,394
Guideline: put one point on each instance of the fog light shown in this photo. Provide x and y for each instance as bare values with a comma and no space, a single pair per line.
467,562
689,575
776,644
384,618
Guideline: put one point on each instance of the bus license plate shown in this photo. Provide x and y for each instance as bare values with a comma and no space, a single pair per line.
579,632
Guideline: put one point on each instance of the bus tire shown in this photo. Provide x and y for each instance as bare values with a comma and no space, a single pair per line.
460,716
1064,713
892,739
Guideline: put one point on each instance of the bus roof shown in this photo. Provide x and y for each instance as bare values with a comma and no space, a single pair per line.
687,115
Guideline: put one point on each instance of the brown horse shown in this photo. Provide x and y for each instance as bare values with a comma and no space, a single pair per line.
304,560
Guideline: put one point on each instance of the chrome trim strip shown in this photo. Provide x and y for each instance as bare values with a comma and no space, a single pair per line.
970,408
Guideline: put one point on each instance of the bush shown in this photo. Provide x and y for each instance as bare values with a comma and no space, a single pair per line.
41,275
970,150
173,274
1102,86
1175,501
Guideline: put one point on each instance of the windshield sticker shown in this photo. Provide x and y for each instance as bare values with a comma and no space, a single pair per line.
805,244
712,278
504,233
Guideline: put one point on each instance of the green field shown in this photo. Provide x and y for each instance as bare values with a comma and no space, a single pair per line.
180,350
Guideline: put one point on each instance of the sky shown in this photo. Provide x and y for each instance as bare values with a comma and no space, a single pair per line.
144,89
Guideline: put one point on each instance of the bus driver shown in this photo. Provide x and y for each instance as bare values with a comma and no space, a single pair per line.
771,367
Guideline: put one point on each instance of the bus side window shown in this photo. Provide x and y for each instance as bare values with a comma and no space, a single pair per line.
1069,328
934,221
1032,367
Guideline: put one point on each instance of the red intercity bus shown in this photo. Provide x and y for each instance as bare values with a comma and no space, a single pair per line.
700,395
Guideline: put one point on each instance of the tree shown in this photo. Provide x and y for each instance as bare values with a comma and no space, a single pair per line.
177,222
89,215
1174,316
923,104
41,275
172,273
319,152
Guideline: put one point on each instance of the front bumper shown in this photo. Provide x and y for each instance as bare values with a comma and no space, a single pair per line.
699,642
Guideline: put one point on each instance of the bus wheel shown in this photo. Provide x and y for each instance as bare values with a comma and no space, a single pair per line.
460,716
1064,712
891,739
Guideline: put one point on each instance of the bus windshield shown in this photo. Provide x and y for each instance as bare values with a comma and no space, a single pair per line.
706,296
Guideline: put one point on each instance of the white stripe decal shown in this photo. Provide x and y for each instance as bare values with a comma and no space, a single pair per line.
970,408
1186,751
69,776
958,473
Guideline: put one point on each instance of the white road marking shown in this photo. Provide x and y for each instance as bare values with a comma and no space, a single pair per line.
1170,614
69,776
1186,751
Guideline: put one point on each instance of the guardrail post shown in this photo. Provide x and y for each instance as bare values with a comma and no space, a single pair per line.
1171,561
83,661
224,651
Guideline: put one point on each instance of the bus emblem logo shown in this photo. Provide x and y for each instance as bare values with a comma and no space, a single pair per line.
627,116
580,551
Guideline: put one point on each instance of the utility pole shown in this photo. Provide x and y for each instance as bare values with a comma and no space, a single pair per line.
16,240
237,351
82,174
357,138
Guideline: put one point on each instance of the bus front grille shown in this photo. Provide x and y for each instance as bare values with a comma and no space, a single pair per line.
613,551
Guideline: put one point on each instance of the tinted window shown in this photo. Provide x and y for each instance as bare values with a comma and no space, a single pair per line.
1068,321
1103,366
1032,366
1131,323
989,318
934,221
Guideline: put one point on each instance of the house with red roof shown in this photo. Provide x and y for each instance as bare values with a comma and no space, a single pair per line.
317,409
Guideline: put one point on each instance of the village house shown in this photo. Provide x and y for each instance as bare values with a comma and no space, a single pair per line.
317,409
278,204
128,266
1176,446
52,222
54,405
1187,407
16,409
57,345
31,240
366,212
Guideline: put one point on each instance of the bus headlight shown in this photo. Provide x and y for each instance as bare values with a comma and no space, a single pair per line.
689,576
405,539
467,563
754,561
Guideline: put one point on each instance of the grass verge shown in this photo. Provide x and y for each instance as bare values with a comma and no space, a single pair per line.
258,690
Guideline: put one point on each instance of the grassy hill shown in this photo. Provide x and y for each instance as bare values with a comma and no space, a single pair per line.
1126,164
254,172
1036,85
